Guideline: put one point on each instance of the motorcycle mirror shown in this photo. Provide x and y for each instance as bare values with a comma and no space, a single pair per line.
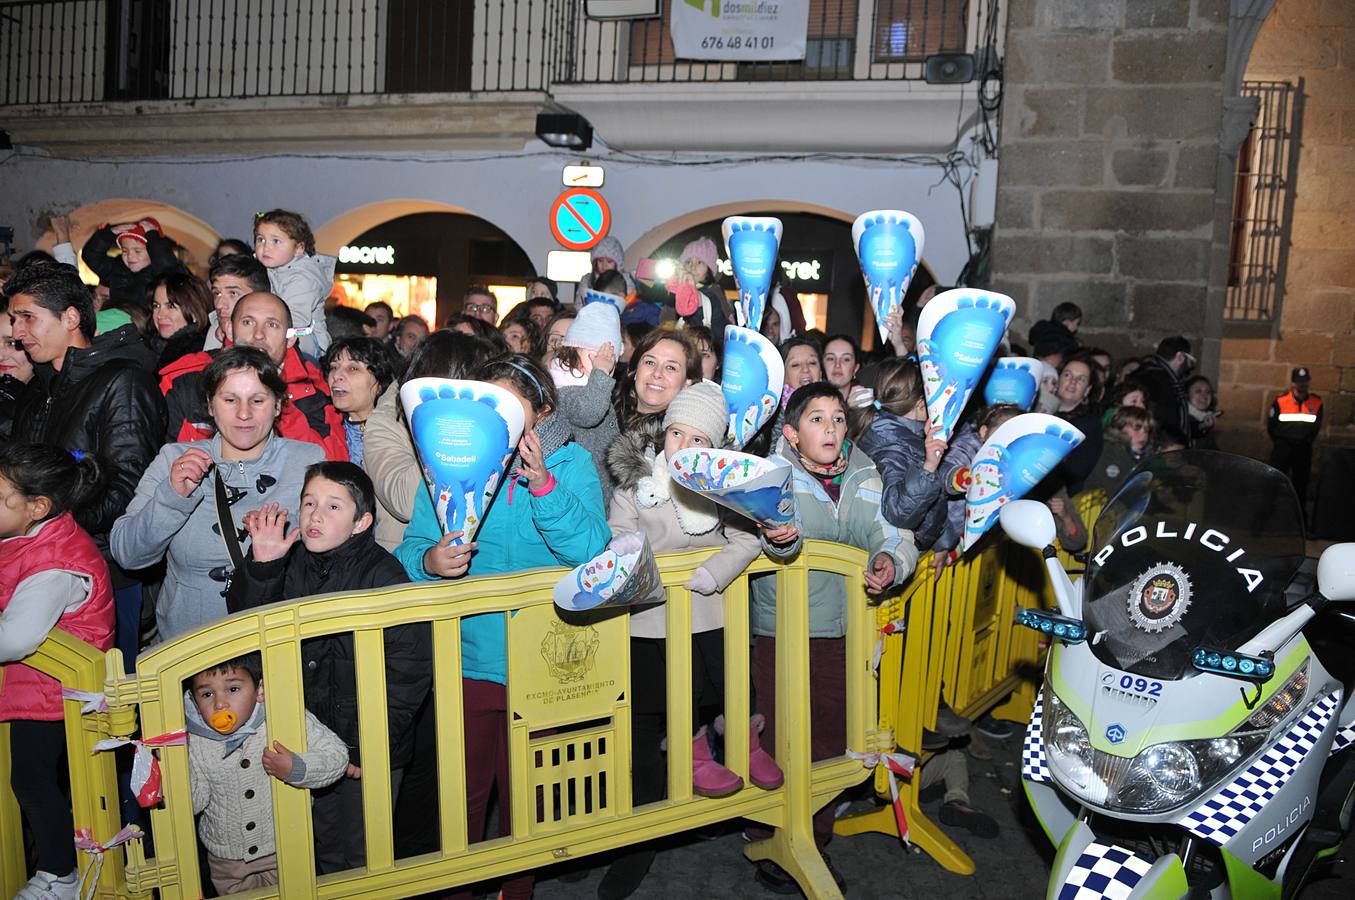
1029,523
1335,572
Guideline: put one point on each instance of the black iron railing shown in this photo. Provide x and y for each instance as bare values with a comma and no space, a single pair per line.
81,51
1262,204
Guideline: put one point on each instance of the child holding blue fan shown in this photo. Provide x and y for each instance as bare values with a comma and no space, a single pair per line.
550,513
675,518
894,432
837,498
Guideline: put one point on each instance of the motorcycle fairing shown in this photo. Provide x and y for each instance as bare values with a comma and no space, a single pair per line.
1225,814
1088,869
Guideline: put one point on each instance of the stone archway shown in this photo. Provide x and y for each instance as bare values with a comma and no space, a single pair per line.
343,228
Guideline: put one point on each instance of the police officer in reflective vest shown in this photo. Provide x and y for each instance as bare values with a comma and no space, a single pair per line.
1293,424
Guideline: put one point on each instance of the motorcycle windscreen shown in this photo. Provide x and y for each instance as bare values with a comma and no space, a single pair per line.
1196,548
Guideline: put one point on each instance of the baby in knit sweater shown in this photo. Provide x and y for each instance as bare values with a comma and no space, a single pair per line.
230,767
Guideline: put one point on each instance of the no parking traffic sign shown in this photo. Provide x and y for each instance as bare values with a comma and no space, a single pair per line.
579,218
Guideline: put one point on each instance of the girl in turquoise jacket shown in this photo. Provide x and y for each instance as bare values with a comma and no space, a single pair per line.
550,513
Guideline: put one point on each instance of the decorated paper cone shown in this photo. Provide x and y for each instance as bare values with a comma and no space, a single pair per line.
625,574
1014,379
957,334
751,377
465,433
750,485
751,243
1013,460
613,300
888,245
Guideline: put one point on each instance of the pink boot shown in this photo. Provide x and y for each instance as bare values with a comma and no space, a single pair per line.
762,769
709,778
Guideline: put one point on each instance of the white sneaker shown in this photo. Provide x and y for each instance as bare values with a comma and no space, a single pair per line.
46,886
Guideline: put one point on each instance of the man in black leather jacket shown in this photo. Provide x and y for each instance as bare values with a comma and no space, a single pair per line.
90,394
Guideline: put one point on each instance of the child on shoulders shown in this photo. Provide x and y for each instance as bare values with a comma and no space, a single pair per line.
582,368
284,243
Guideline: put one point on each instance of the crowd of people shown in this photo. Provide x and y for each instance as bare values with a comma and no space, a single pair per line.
177,449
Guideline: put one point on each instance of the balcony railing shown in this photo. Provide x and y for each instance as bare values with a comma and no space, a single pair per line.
82,51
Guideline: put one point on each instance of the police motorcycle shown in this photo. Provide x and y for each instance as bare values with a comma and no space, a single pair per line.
1187,741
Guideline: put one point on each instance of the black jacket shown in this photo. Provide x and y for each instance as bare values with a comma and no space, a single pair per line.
103,401
11,392
1166,394
122,282
329,675
178,345
1079,465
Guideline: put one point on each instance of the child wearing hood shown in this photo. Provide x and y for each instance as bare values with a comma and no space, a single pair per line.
231,766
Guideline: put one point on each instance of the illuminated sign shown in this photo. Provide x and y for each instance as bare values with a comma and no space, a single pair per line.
380,256
795,270
583,176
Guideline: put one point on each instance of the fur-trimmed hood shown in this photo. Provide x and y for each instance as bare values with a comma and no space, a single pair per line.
630,458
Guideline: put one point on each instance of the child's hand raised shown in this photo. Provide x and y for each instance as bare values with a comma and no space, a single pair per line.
187,472
531,464
785,534
880,575
604,358
934,447
267,527
448,560
277,761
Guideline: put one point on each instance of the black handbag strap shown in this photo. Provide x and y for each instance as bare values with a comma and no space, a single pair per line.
227,525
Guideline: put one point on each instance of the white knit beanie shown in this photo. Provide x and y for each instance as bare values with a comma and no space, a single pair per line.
701,406
594,324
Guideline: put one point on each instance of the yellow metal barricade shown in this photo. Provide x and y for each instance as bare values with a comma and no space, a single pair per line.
569,715
93,781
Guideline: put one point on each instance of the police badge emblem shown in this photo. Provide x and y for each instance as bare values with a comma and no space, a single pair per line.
1159,598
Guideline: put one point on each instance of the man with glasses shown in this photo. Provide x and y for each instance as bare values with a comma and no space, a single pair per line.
480,304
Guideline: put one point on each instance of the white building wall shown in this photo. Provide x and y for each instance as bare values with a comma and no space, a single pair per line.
513,190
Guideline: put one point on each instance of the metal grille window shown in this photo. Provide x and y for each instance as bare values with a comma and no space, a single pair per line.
908,30
1262,199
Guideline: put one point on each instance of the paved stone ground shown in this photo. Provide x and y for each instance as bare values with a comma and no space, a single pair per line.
1014,866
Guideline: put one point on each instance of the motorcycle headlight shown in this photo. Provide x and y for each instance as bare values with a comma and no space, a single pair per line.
1162,777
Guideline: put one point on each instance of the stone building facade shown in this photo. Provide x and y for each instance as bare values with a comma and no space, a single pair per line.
1122,123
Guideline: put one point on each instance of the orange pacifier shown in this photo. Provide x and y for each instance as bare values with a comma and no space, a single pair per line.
222,721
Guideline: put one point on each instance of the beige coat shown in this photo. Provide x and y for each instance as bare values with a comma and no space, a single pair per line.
388,457
644,503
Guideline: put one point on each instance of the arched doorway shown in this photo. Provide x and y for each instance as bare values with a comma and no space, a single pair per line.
818,261
422,259
196,237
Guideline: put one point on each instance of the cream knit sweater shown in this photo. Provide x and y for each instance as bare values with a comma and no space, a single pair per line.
235,794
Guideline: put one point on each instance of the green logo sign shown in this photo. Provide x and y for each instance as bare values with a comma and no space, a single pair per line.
701,5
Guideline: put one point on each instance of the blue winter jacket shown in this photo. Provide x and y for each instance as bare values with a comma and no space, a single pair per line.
566,527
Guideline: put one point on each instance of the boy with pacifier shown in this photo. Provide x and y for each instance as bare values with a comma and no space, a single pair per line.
231,765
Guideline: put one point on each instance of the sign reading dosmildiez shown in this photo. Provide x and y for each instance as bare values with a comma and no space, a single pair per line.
737,30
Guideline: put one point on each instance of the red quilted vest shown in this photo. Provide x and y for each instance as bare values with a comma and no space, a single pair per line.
26,693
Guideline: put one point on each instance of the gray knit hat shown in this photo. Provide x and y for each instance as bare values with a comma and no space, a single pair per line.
701,406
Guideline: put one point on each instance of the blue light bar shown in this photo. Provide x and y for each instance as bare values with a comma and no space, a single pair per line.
1061,628
1234,665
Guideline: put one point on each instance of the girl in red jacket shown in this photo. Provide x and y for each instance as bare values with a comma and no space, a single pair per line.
52,576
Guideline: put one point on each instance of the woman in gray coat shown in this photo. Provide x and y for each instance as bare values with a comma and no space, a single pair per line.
174,513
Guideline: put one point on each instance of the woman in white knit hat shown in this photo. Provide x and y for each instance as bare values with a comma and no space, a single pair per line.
673,518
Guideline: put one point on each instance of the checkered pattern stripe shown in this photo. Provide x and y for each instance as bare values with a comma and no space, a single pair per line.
1104,870
1229,810
1033,765
1344,738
